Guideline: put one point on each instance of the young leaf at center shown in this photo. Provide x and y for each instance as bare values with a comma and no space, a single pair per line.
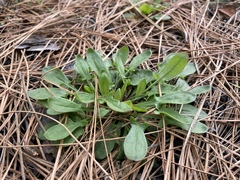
104,84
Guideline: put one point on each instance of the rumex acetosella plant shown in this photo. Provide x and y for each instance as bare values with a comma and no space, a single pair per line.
123,90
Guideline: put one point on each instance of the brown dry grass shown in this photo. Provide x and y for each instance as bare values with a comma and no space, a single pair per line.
76,25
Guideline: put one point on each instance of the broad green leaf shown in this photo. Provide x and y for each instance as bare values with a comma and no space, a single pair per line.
118,94
122,55
176,97
189,69
182,85
163,17
58,132
63,105
146,104
173,67
138,108
199,127
146,8
84,97
96,63
101,100
200,89
47,126
165,88
172,114
43,103
118,106
191,111
43,93
120,67
104,83
77,133
139,59
104,112
82,68
100,151
141,74
135,143
55,75
141,87
167,59
52,112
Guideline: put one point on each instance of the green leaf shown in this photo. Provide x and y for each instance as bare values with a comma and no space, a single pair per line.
124,87
138,108
141,87
182,85
87,89
43,93
166,88
77,133
63,105
96,63
100,151
172,114
163,17
135,143
58,132
118,94
198,128
43,103
52,112
175,65
104,83
139,59
146,8
46,127
82,67
150,103
84,97
142,74
104,112
120,67
189,69
118,106
121,55
176,97
191,111
200,89
108,63
55,75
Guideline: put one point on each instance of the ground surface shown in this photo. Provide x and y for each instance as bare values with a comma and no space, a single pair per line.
208,31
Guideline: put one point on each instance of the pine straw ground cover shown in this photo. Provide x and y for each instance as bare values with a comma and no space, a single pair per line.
197,27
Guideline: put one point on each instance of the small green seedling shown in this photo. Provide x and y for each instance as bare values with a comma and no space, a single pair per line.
150,9
124,91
